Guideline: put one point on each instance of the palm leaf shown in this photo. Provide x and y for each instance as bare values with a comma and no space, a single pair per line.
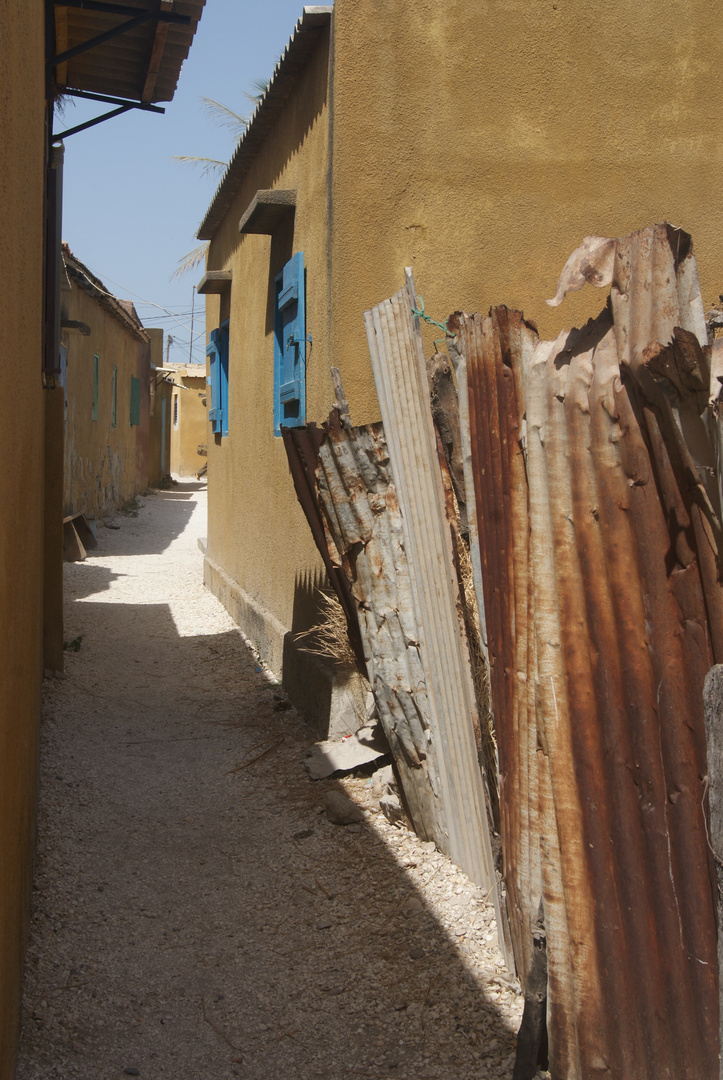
208,166
225,117
191,260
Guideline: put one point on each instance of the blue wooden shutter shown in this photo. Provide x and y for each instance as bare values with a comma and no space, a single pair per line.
215,413
290,346
223,374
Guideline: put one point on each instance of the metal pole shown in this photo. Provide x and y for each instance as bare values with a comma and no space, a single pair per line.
169,342
193,304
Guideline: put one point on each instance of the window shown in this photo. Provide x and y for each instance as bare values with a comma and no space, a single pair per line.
217,352
290,346
175,410
135,401
96,384
114,397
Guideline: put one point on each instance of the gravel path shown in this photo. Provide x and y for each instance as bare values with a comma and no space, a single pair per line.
196,914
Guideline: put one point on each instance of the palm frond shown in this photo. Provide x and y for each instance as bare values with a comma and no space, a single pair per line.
208,166
225,117
191,260
259,88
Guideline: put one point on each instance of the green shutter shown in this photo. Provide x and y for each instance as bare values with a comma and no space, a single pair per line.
135,401
96,384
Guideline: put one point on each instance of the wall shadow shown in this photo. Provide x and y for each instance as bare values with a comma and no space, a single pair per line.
121,533
309,679
195,898
83,579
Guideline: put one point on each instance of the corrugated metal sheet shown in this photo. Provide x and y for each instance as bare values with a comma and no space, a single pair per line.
302,451
598,533
366,536
398,362
122,311
142,64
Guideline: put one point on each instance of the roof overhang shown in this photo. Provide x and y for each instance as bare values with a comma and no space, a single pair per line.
284,81
131,50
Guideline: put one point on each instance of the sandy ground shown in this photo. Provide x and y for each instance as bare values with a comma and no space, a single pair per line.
195,912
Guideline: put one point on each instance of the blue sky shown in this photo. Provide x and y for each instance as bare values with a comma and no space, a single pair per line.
130,211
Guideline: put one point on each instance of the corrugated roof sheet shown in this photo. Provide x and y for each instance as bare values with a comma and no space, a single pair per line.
599,532
142,64
123,311
282,84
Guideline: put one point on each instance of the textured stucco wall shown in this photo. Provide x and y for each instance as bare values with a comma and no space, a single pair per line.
22,112
479,142
258,538
105,466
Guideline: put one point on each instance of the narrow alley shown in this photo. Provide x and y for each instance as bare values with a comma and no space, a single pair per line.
196,913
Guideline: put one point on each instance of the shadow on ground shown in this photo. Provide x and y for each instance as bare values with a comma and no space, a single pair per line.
196,913
127,531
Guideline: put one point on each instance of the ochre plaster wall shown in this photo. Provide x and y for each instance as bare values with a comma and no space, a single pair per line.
190,432
158,461
479,142
105,466
22,119
261,559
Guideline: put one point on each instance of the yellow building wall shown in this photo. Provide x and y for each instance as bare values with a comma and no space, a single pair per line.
22,421
261,560
159,434
479,142
105,465
188,419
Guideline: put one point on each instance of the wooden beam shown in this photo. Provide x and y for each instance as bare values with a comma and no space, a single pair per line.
156,59
61,43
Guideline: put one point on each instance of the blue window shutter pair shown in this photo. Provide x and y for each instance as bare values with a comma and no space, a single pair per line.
217,351
290,346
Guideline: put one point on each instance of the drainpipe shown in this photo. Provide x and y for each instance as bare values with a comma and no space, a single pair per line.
53,263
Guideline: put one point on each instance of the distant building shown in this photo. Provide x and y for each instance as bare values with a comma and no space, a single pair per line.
159,436
188,417
106,372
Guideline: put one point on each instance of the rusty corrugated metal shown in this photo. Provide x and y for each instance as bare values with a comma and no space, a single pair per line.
598,531
366,536
302,451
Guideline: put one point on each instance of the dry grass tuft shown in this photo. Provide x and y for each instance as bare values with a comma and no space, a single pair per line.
329,638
